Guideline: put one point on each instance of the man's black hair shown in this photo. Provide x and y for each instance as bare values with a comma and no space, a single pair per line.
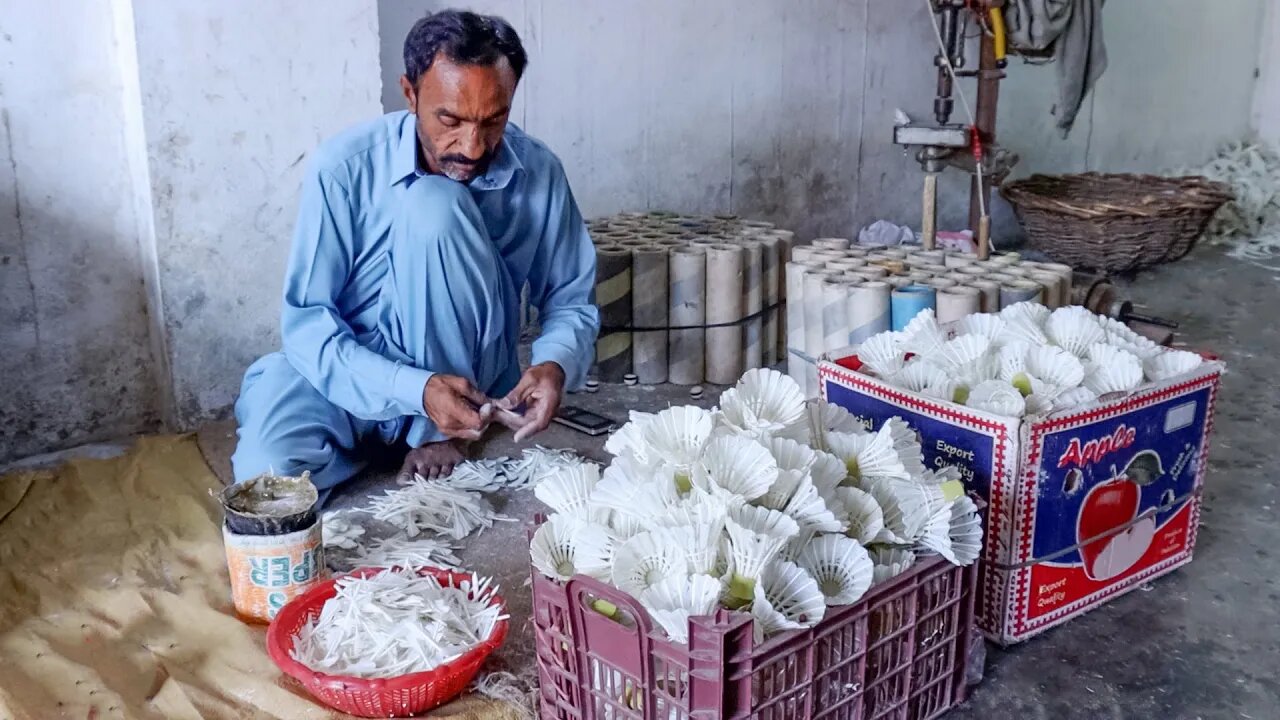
465,38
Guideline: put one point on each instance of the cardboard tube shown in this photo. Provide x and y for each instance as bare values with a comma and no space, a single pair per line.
771,287
796,319
957,302
1051,282
831,243
868,310
687,308
613,297
803,252
753,296
846,263
908,301
890,253
1009,258
814,335
726,267
936,257
786,242
835,313
955,260
1017,291
931,268
649,307
990,290
1066,276
898,281
940,283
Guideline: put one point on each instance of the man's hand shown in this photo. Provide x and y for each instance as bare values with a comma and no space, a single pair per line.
452,404
539,391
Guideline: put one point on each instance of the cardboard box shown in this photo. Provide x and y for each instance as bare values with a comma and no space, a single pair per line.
1084,505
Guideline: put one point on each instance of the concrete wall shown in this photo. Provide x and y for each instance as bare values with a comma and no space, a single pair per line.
150,157
783,110
75,358
234,95
1266,101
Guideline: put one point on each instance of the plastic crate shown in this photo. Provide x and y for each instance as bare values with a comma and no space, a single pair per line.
899,653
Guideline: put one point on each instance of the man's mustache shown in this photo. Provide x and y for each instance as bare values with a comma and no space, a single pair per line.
464,160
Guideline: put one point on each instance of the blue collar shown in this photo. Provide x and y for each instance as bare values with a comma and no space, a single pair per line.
405,160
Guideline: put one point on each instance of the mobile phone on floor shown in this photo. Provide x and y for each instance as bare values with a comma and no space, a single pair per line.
584,421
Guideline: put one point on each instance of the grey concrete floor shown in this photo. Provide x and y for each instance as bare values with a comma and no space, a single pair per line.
1203,642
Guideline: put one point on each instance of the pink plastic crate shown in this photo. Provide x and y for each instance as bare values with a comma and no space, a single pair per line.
900,653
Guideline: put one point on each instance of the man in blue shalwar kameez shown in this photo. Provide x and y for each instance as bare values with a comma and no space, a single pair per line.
415,234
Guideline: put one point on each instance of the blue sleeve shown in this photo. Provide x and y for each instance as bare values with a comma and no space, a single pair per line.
317,341
565,294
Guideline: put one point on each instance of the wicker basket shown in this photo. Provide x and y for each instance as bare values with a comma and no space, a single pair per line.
1114,223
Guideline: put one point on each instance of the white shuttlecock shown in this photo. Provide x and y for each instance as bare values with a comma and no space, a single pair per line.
998,397
890,452
811,511
1074,329
1073,398
889,562
841,566
919,376
828,472
677,436
861,513
736,465
988,325
764,404
961,352
634,494
792,455
699,533
568,491
1170,364
1038,405
564,546
955,532
754,537
629,439
646,559
907,507
673,601
922,336
1110,369
1024,322
883,353
1055,366
1123,337
786,598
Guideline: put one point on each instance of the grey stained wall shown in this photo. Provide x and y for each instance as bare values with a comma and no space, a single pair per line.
75,355
783,110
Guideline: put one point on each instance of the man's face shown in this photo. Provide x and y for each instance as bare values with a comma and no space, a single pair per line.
462,112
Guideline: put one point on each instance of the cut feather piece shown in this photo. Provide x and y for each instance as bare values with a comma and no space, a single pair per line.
841,567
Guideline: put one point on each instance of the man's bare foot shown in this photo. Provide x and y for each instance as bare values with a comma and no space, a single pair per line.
433,460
